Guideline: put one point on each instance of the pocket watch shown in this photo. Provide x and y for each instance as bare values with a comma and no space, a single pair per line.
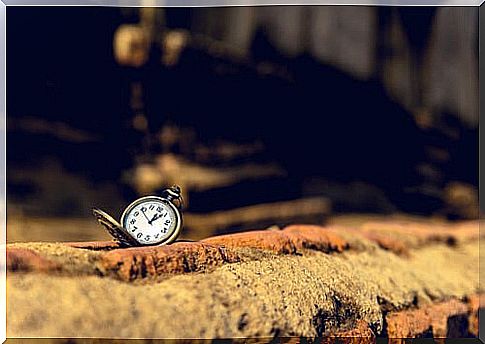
149,220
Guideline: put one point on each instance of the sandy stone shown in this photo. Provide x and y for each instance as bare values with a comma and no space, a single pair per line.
402,279
286,295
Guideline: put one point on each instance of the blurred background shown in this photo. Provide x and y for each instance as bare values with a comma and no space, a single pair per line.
263,115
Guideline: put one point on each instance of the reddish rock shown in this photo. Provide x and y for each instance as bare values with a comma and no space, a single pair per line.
22,259
475,302
401,236
316,238
387,243
418,234
345,340
445,319
275,241
286,241
139,262
361,333
94,245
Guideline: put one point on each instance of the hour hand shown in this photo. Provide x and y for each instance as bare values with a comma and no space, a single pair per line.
156,216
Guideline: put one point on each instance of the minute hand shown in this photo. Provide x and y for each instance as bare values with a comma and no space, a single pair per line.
146,217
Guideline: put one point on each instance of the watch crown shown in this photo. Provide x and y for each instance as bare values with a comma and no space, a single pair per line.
173,193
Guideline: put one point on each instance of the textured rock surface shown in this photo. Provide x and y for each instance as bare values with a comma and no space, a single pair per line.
300,281
444,319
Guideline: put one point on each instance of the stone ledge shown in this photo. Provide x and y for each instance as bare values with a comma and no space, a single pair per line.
106,258
383,278
360,293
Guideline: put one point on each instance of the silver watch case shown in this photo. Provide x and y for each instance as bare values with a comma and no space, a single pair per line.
178,226
120,233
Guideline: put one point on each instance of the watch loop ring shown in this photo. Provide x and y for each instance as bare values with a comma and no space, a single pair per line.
174,195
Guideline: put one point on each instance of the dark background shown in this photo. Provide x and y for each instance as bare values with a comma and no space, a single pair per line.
372,139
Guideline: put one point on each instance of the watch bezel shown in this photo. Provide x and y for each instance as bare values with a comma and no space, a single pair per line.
167,240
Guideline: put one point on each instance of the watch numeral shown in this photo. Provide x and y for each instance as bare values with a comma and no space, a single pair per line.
143,209
134,228
167,222
139,235
136,213
159,209
152,207
147,237
132,221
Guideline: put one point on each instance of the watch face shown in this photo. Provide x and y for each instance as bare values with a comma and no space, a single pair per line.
151,220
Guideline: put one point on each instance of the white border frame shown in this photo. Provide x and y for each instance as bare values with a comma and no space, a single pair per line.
3,171
140,3
227,3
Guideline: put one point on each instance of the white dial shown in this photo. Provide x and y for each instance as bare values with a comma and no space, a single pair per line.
151,220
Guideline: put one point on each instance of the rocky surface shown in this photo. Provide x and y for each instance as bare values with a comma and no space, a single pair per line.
377,278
